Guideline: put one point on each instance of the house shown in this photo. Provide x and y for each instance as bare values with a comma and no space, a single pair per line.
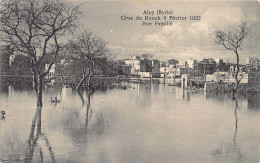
205,68
139,66
172,62
135,63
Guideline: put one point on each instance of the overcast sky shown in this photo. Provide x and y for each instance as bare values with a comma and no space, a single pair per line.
183,40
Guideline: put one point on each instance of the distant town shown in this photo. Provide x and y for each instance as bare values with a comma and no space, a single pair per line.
195,72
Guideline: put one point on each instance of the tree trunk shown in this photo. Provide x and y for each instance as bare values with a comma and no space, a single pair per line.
89,78
81,81
39,91
236,75
81,97
90,89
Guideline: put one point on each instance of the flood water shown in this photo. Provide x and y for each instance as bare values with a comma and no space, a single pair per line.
144,123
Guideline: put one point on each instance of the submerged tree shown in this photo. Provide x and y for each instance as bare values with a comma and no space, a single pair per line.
89,53
34,28
232,40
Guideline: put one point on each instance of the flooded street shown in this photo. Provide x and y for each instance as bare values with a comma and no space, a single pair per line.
144,123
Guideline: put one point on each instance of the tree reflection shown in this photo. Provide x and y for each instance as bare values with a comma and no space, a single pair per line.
236,121
81,97
89,93
35,135
225,151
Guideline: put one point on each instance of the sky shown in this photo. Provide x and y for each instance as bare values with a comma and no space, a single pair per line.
182,40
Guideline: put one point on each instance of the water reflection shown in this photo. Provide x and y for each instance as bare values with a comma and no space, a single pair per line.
151,123
230,151
34,138
144,91
253,101
79,127
186,95
217,96
4,89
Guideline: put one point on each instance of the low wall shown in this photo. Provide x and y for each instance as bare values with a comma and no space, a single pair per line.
223,87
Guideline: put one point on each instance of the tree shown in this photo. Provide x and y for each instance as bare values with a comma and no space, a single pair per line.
34,28
232,40
89,53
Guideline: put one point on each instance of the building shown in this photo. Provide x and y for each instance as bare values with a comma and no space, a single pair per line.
140,66
172,62
162,64
253,61
135,63
52,70
192,63
5,53
124,70
155,68
183,64
254,80
206,68
252,64
226,77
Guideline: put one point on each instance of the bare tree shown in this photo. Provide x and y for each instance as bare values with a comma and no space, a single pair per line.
232,40
34,28
89,53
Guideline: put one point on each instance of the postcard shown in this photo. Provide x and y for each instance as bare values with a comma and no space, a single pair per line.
129,81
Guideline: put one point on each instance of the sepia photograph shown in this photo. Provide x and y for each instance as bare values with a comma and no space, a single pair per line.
141,81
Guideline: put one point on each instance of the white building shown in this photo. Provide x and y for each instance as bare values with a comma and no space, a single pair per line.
135,63
170,71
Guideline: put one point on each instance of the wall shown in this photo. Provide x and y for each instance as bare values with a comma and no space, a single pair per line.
223,87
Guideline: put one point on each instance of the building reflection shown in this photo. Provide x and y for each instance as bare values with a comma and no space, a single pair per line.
155,87
144,94
217,96
253,101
